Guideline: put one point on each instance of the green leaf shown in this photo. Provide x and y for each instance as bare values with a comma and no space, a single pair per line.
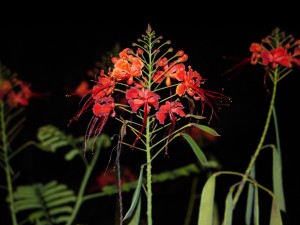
51,138
60,210
275,214
71,154
195,116
206,129
256,206
277,180
206,208
250,199
136,195
136,217
228,209
198,152
47,203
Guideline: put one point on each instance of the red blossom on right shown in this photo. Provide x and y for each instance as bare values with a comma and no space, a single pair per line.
275,50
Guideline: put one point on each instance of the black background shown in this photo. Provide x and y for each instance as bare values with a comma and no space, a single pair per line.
54,58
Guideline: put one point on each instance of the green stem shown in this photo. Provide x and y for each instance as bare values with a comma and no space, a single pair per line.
80,195
262,139
7,165
149,175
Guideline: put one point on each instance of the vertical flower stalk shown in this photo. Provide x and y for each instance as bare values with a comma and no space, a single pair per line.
14,95
154,96
277,53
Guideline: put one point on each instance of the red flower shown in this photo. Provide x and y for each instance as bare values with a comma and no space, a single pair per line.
21,95
168,72
110,177
256,50
82,89
276,56
15,99
5,87
104,87
104,107
190,84
126,67
169,108
138,97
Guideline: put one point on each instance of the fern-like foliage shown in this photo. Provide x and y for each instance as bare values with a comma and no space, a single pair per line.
52,138
48,204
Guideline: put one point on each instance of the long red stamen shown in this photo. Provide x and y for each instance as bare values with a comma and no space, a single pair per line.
144,124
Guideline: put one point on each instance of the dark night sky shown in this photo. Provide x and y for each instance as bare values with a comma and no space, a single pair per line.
54,58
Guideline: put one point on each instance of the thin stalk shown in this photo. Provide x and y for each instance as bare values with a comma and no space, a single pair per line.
149,174
7,165
260,144
191,204
80,195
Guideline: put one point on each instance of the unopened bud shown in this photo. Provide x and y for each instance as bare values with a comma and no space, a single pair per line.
180,53
114,60
183,58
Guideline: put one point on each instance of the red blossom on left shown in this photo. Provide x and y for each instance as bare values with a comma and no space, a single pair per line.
15,92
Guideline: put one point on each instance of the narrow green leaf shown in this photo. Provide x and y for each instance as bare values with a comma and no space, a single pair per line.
136,217
61,201
277,180
27,206
71,154
136,195
49,185
195,116
206,208
61,219
198,152
59,195
216,218
256,206
36,215
56,189
206,129
60,210
250,199
275,214
24,192
228,209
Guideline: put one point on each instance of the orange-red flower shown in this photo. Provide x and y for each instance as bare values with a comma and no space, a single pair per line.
104,87
171,109
191,81
256,50
104,107
190,84
169,72
110,177
15,99
82,89
16,93
138,97
276,56
5,86
126,67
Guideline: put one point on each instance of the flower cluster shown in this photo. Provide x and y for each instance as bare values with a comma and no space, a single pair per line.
276,49
13,91
148,83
